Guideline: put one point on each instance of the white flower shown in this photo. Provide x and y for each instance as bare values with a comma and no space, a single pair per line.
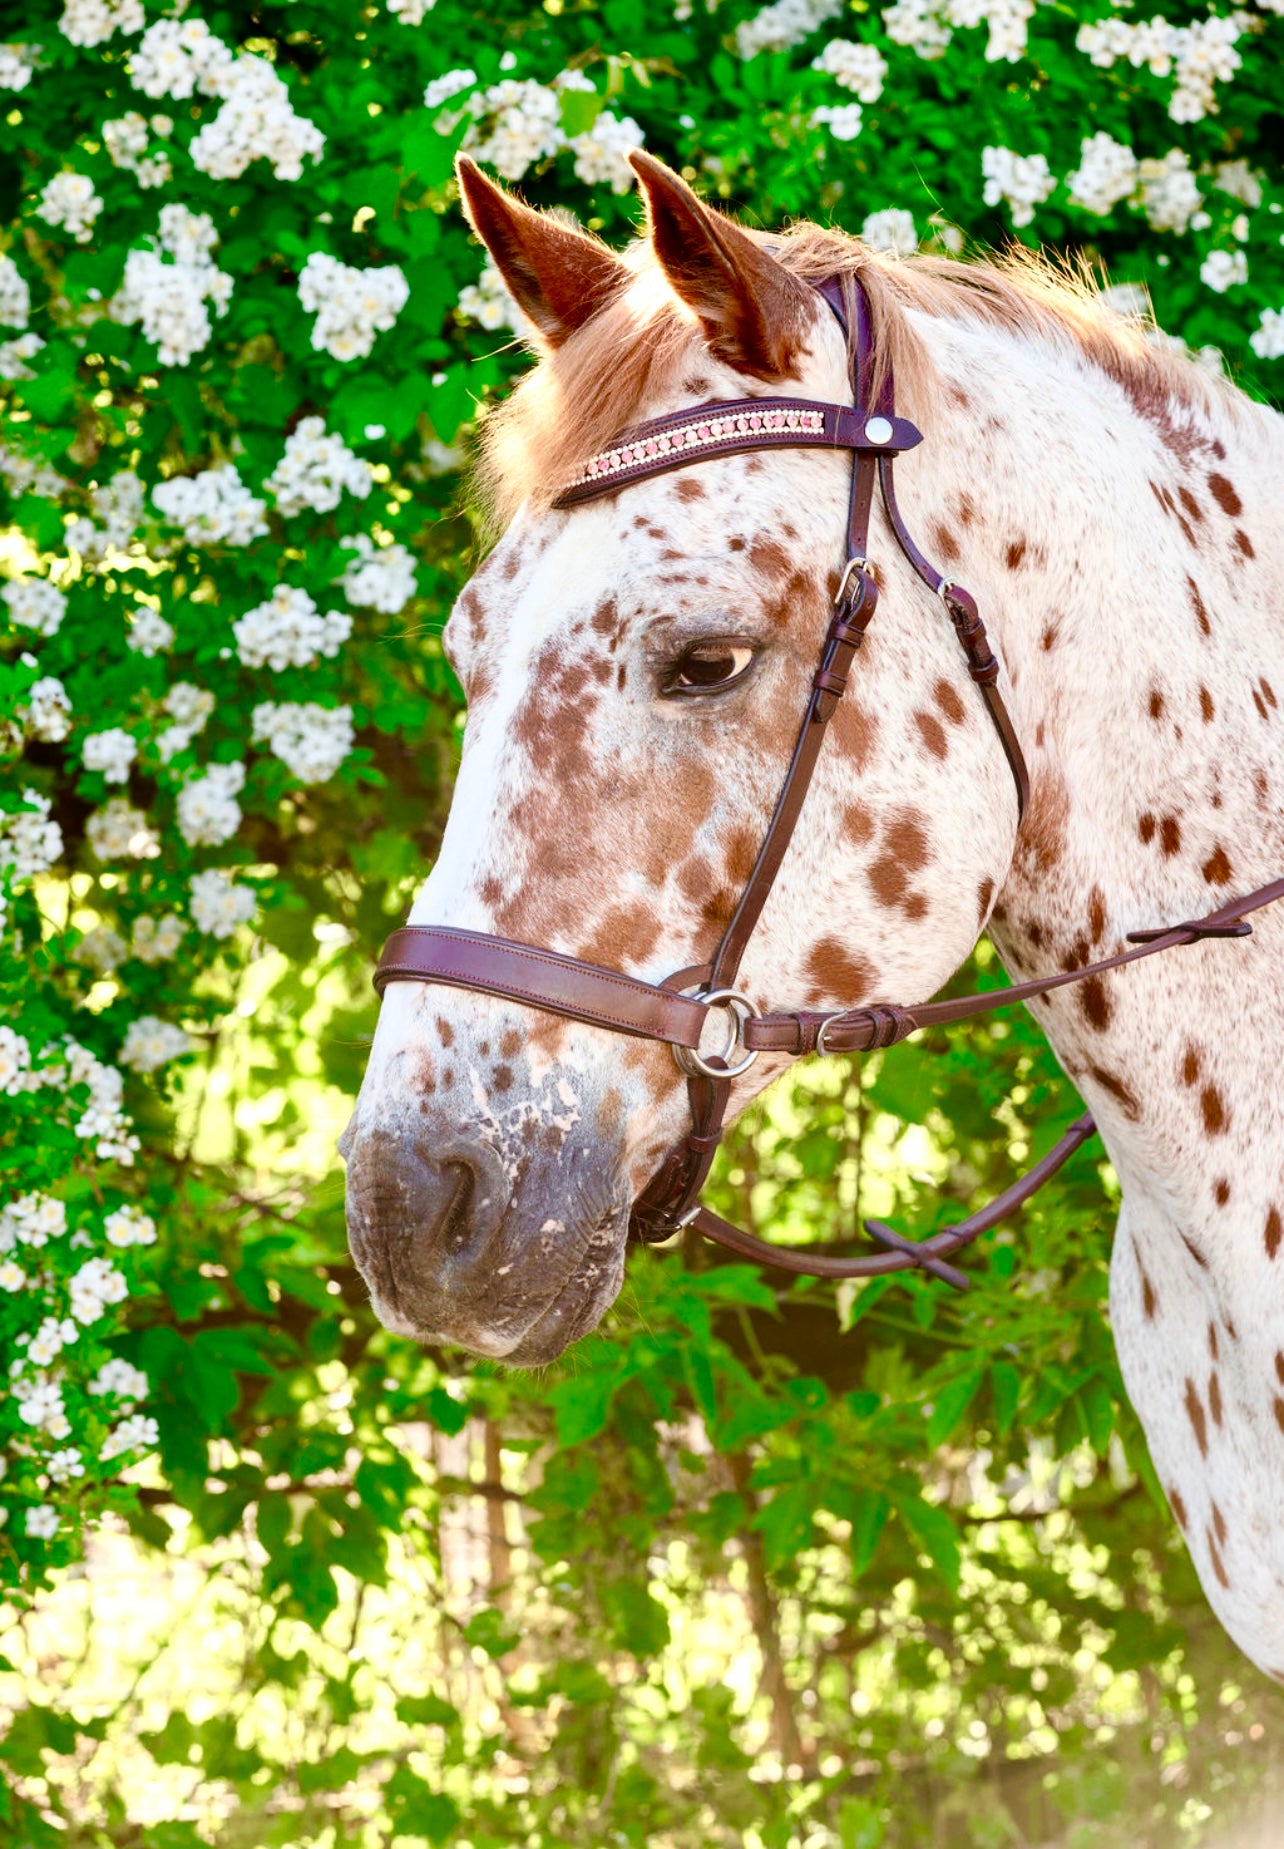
90,22
311,740
103,1121
12,1276
118,831
488,302
40,1403
219,905
53,1335
379,578
65,1464
17,66
42,1521
208,812
190,707
843,120
15,295
175,56
213,507
892,230
112,752
35,604
69,201
1169,194
1202,54
316,468
287,632
1238,179
149,634
14,355
918,24
411,12
130,1226
451,83
1268,341
155,940
49,709
601,155
1224,269
525,125
859,68
15,1061
169,299
256,122
29,842
118,505
137,1433
1108,172
93,1287
1022,180
152,1043
787,23
102,949
121,1380
33,1219
351,305
127,140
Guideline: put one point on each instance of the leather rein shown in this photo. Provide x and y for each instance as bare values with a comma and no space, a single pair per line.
587,992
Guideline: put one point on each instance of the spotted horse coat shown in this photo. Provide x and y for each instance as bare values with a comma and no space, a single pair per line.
635,671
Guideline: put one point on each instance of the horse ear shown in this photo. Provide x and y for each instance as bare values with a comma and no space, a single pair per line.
558,276
755,313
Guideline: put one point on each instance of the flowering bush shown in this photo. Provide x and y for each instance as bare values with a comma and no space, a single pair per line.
243,330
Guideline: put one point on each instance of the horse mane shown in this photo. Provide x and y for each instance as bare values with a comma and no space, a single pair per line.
646,345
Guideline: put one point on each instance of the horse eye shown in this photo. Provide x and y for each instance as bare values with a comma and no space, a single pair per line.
709,667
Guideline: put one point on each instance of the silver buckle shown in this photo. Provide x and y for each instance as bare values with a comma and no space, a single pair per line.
741,1009
824,1028
852,565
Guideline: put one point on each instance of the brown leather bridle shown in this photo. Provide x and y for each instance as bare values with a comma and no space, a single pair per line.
606,998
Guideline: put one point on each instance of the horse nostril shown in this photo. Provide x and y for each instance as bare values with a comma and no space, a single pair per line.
423,1220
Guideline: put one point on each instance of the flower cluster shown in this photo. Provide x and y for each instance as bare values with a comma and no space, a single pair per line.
892,230
1201,54
1107,173
118,831
927,26
17,67
111,752
488,303
70,202
519,123
315,471
351,306
128,139
288,632
169,298
450,83
380,577
92,22
1022,181
312,741
208,812
116,507
213,508
15,295
859,68
219,904
189,707
786,23
36,604
151,1043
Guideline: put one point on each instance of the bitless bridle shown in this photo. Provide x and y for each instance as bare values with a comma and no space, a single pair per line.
606,998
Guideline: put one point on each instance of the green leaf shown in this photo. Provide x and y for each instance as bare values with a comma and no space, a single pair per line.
582,1406
580,109
931,1530
426,1711
1005,1385
868,1517
950,1404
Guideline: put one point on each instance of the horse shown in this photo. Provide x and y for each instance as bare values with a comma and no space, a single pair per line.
635,668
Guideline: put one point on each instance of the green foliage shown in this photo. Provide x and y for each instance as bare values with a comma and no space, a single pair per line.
761,1564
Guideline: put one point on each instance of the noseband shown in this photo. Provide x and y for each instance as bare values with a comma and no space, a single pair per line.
586,992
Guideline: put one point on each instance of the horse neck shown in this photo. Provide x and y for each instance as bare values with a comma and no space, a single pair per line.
1126,557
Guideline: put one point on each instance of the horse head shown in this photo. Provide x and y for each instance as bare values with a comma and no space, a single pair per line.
635,670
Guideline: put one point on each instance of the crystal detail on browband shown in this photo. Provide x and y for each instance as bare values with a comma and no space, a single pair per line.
703,432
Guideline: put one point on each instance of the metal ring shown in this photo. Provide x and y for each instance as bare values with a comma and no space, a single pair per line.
741,1009
944,588
825,1026
857,564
